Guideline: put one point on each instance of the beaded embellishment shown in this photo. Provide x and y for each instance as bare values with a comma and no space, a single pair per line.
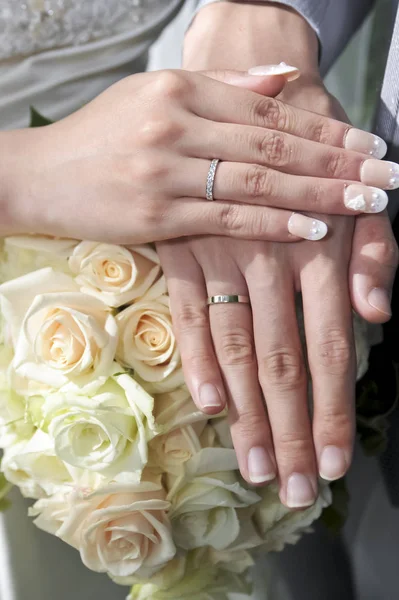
29,26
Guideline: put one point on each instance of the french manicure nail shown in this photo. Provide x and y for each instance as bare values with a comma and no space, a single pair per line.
290,73
260,465
300,492
209,396
333,463
381,173
307,228
379,299
365,199
366,143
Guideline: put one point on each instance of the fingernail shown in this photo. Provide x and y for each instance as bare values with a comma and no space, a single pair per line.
260,465
383,174
365,199
366,143
333,463
209,396
300,492
290,73
307,228
380,299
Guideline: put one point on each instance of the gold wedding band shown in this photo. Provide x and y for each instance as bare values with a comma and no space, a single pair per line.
228,299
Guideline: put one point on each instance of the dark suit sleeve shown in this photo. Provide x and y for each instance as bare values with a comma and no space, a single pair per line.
334,21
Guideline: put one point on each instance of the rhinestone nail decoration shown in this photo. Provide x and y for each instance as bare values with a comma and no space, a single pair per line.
317,231
378,202
357,203
34,25
365,199
394,180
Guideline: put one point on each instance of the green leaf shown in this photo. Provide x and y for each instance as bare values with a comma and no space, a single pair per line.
4,504
5,487
37,120
334,517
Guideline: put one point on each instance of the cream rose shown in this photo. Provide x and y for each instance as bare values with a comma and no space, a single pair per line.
112,273
192,576
147,343
171,451
278,525
122,530
61,336
205,502
33,466
106,432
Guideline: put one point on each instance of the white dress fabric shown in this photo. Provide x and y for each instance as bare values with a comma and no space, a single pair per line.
57,55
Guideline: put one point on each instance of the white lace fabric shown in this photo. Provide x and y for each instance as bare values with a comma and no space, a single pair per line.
31,26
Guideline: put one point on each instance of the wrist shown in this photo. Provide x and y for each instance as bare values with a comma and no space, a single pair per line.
251,34
15,165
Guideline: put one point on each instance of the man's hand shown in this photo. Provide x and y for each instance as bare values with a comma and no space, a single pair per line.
357,262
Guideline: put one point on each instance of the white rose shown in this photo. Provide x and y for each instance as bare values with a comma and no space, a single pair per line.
27,253
176,409
106,432
61,336
122,530
33,466
205,500
192,576
114,274
14,426
147,343
278,525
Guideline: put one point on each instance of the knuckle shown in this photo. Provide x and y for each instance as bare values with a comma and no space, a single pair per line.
231,218
294,444
172,84
283,367
159,131
270,113
386,253
190,317
336,165
148,170
257,182
273,148
321,130
248,423
236,348
335,352
316,196
200,362
336,419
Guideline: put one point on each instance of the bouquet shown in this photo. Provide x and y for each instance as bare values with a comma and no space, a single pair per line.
99,429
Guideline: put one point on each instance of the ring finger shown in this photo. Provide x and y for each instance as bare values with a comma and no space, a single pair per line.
232,333
258,185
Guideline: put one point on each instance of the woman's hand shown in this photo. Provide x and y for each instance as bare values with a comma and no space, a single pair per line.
131,166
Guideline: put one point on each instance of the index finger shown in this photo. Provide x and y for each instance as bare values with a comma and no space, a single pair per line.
231,104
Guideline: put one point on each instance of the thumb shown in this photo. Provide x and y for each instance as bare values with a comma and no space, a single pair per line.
268,80
373,266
